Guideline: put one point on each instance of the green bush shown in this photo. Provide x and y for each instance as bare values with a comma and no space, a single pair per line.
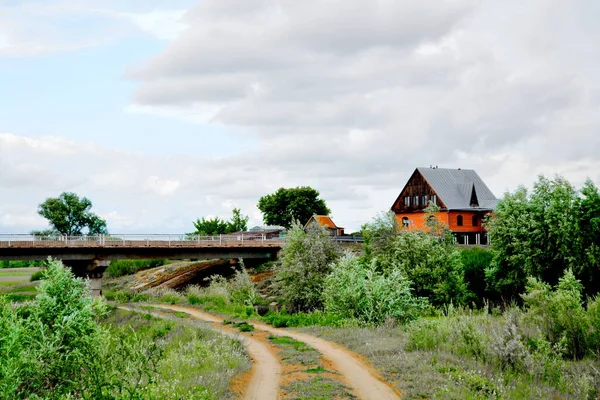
305,260
53,348
119,268
560,314
354,290
36,276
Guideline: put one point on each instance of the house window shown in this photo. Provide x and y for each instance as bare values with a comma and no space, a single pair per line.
475,220
459,220
405,222
425,200
434,199
407,201
416,201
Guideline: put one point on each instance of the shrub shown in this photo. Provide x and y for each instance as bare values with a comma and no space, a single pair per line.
353,290
241,288
304,262
36,276
559,313
507,347
316,318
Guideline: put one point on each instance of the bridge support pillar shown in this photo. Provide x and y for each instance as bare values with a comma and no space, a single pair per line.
90,269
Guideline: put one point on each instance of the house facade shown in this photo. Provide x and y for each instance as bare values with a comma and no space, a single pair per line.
326,222
461,195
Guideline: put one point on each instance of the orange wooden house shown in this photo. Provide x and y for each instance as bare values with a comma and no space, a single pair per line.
462,196
326,222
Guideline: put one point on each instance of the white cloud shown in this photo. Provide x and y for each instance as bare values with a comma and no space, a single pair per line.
164,187
163,24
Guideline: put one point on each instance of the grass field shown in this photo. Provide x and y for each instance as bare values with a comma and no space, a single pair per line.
15,284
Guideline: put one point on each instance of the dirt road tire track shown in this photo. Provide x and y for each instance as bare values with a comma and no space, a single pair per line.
266,370
360,376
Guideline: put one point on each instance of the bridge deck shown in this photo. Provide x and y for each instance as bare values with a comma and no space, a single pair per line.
139,241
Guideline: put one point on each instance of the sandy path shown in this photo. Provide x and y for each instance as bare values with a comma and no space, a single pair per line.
360,376
266,371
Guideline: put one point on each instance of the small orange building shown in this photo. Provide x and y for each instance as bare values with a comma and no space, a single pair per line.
462,196
326,222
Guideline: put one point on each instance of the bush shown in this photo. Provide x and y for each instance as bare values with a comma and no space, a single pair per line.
53,348
36,276
353,290
305,261
560,314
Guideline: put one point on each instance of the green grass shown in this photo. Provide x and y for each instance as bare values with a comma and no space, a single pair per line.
244,326
2,284
318,388
2,273
27,288
196,363
317,318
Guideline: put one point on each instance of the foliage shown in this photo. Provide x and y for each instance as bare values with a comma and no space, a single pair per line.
543,233
476,261
288,205
119,268
54,348
36,276
561,316
70,215
217,226
379,235
316,318
354,290
305,260
21,264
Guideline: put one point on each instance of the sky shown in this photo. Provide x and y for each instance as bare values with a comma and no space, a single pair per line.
162,112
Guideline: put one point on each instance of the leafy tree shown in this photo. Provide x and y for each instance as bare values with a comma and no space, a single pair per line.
588,205
288,205
70,215
217,226
475,263
238,222
538,234
211,226
305,260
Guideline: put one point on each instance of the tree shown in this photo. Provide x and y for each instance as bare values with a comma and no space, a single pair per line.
238,222
70,215
541,234
217,226
288,205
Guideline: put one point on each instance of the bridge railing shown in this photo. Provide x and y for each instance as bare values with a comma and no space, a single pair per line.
138,240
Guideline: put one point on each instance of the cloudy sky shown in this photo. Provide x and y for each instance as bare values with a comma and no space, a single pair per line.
165,111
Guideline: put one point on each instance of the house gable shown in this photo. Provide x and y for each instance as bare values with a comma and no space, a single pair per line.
419,194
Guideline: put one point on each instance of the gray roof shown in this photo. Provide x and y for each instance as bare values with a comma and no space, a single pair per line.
455,186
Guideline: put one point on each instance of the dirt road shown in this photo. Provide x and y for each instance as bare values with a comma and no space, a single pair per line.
361,378
265,373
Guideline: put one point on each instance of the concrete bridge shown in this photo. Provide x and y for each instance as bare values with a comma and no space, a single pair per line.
89,256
